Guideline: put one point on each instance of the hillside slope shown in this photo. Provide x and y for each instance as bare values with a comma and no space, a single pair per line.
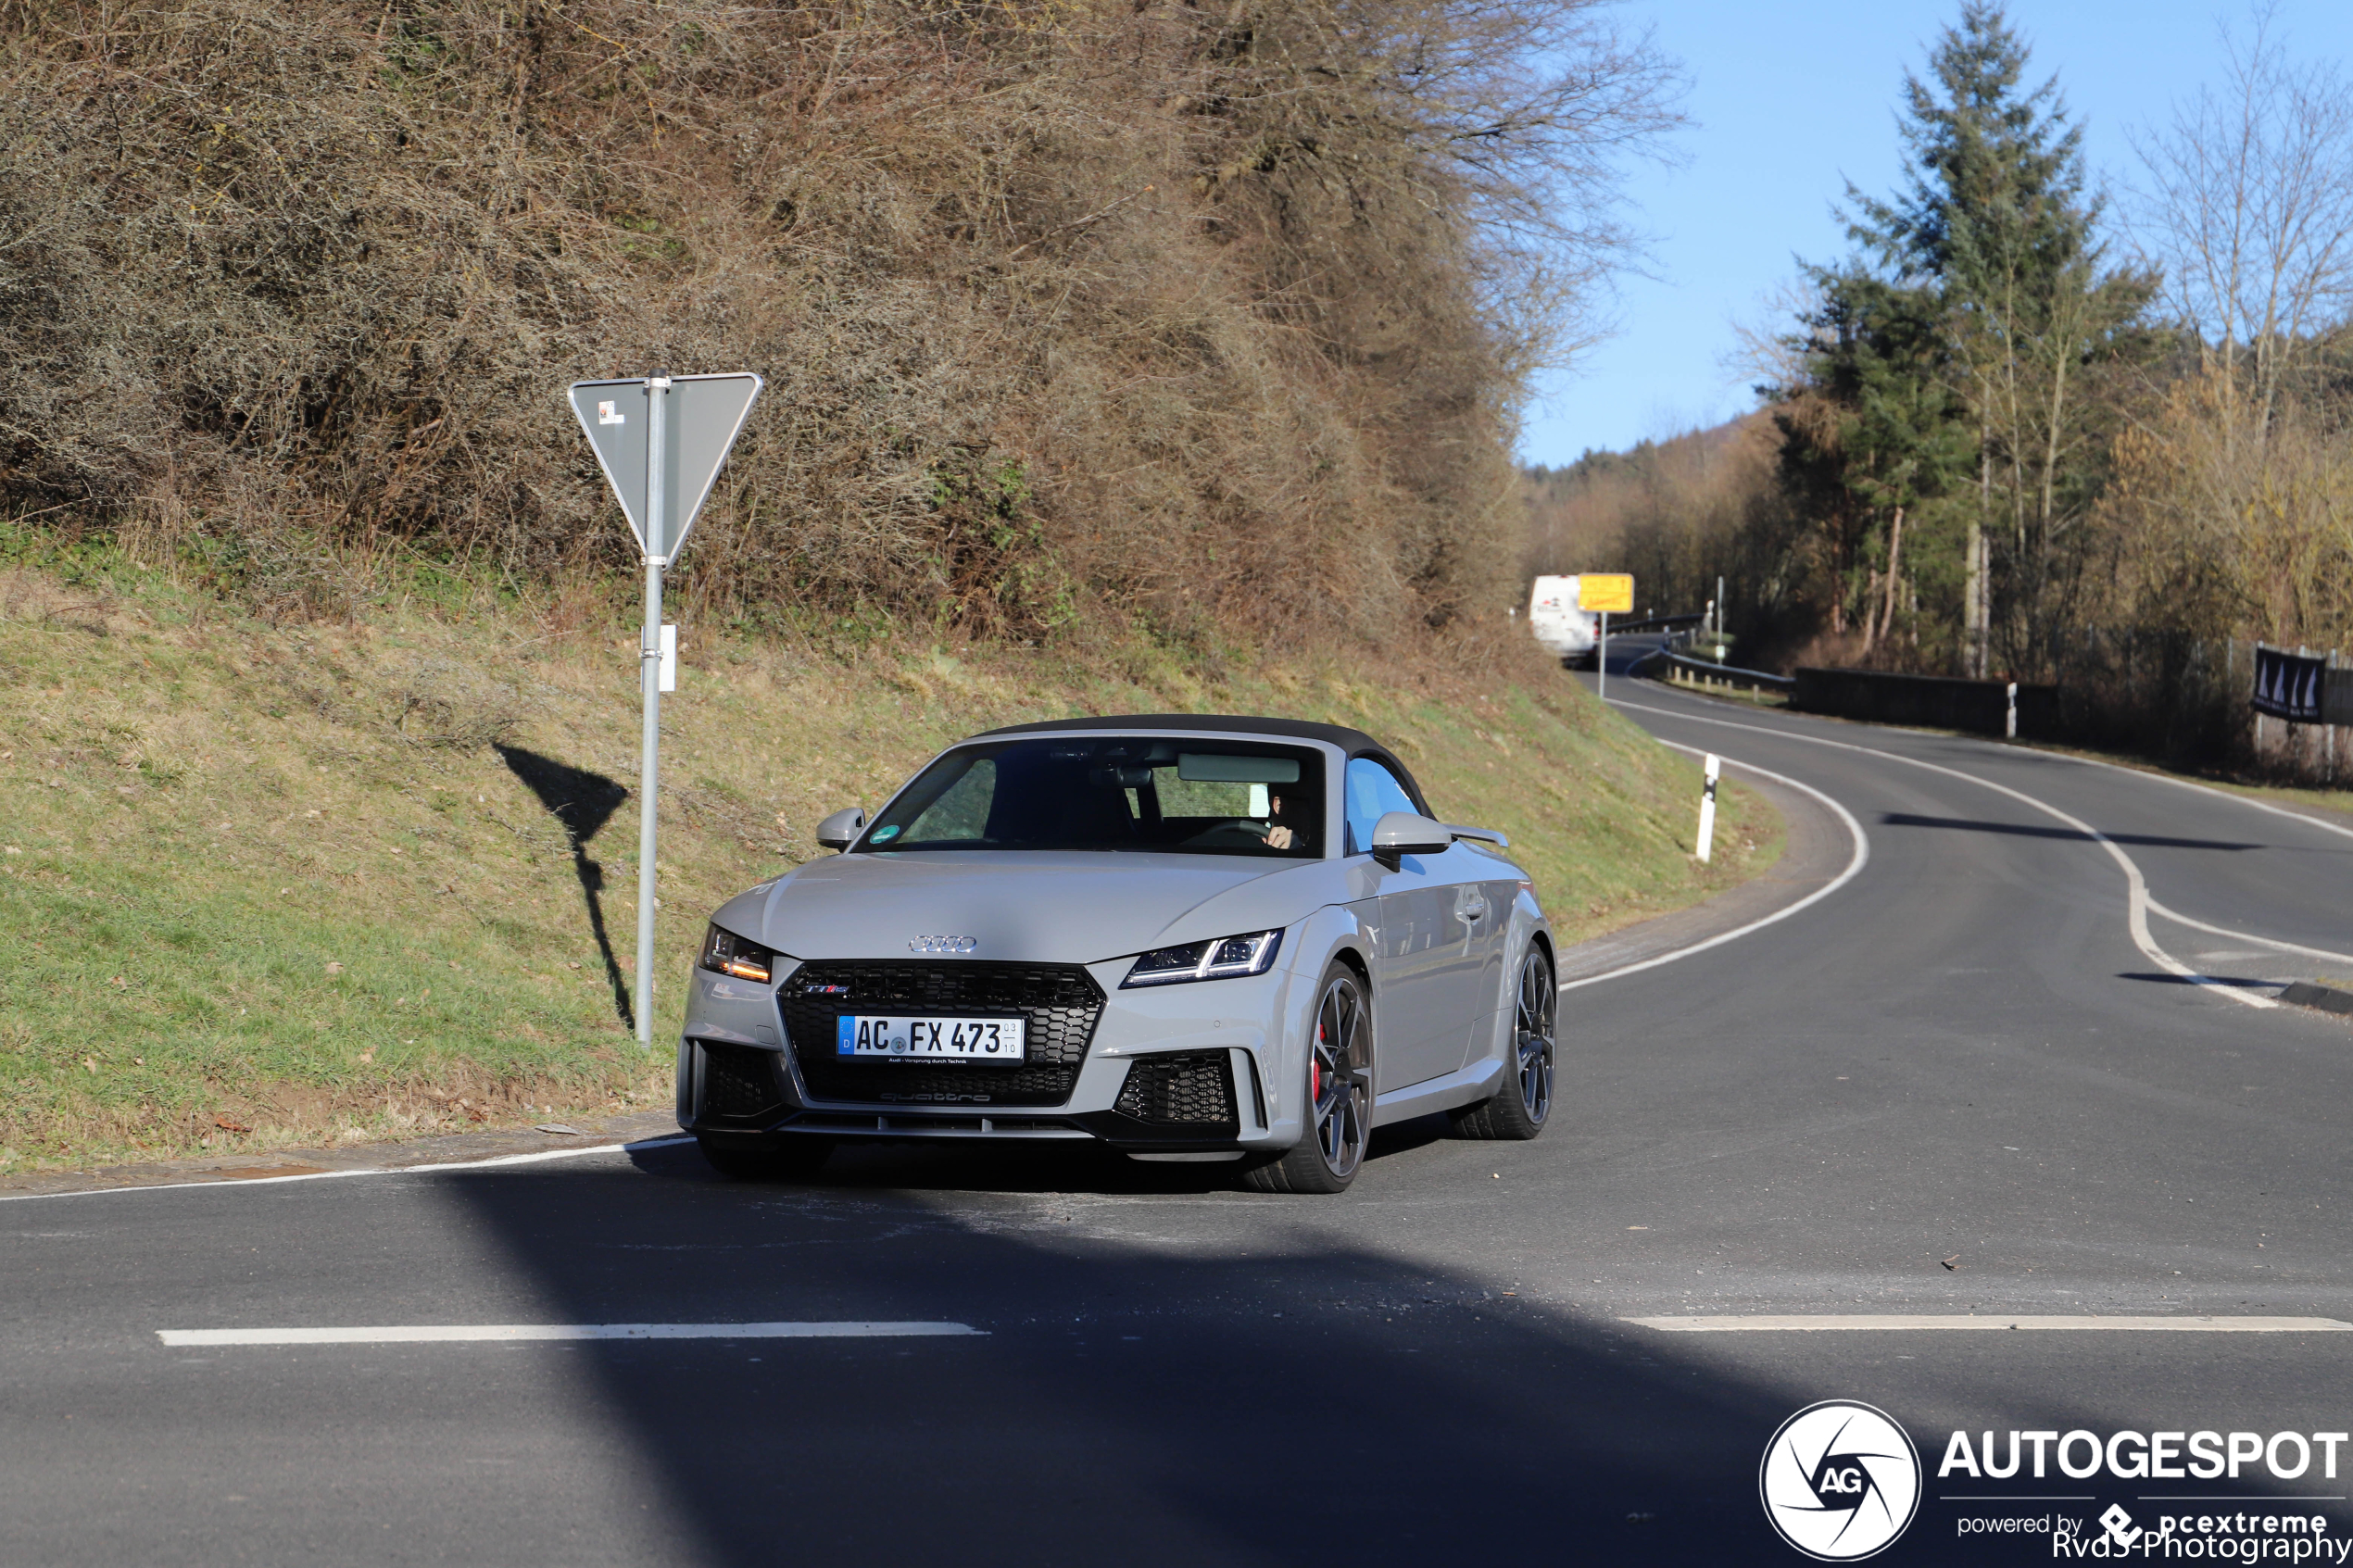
264,886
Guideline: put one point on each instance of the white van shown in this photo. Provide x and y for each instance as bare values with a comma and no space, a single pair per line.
1563,630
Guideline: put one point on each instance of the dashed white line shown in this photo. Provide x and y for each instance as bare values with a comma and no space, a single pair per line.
515,1333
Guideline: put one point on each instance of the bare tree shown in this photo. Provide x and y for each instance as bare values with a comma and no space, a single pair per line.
2248,208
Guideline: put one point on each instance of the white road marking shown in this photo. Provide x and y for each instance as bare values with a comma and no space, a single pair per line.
2137,897
1818,1322
444,1333
2309,822
1855,864
540,1156
2157,909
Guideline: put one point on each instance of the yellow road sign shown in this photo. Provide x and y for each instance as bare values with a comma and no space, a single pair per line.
1612,593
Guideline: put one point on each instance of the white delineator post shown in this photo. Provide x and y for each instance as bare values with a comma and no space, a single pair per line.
1707,809
649,688
2009,718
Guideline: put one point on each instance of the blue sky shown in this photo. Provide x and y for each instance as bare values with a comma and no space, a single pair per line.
1790,101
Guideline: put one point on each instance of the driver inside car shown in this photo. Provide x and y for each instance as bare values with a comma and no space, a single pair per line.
1282,832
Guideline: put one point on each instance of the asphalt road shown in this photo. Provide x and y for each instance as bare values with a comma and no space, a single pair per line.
1960,1055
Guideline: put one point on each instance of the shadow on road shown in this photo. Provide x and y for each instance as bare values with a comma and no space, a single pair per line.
2022,830
1171,1398
583,802
2236,982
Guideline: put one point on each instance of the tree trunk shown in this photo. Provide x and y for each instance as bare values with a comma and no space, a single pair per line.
1973,617
1894,573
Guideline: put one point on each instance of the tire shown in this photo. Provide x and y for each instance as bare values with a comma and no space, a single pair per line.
792,1158
1519,1108
1338,1094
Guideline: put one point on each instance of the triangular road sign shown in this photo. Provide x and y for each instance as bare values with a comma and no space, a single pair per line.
701,417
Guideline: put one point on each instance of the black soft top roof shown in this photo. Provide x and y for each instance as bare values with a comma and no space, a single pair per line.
1352,743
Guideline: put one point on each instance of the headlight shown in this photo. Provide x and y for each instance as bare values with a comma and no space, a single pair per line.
723,952
1223,958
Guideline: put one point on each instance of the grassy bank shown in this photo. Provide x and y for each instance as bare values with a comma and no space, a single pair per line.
269,885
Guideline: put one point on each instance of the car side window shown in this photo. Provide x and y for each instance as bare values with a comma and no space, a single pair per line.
1373,792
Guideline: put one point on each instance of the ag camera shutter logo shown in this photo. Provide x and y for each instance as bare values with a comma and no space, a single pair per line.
1840,1481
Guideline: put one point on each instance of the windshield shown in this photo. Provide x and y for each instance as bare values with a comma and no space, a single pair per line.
1157,795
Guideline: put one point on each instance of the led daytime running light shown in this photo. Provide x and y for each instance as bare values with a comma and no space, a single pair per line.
1224,958
723,952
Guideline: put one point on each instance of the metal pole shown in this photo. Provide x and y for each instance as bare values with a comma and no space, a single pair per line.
649,688
2328,730
1601,662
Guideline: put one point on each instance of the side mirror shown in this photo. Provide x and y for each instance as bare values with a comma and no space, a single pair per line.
842,830
1403,833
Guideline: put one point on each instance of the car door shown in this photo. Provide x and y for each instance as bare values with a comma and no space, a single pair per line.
1429,915
1482,907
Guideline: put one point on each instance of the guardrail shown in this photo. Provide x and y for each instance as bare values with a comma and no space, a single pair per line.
1630,625
1705,676
1937,702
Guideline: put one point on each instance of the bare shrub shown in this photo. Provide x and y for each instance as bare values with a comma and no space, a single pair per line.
1182,312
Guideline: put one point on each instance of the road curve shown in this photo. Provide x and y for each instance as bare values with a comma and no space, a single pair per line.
1956,1083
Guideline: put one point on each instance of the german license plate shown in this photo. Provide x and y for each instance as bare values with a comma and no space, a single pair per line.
929,1039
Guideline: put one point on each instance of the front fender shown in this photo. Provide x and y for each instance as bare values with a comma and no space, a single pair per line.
1335,932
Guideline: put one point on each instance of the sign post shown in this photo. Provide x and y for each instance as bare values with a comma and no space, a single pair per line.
1602,593
660,440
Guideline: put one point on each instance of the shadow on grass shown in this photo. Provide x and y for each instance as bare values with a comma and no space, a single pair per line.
583,802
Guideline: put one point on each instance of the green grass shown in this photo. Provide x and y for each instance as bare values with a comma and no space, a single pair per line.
265,887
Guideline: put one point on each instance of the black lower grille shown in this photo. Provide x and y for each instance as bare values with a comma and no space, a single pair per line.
1059,1003
739,1082
1181,1090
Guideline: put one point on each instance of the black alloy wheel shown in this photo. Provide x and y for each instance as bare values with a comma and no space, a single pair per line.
1339,1100
1524,1100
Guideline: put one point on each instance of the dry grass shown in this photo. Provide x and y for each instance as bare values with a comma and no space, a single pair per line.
267,886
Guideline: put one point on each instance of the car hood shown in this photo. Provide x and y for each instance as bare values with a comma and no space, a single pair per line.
1030,908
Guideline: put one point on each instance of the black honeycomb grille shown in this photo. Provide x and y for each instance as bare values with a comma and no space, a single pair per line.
739,1082
1181,1090
1060,1005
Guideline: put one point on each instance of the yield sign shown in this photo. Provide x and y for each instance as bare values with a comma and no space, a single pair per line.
699,417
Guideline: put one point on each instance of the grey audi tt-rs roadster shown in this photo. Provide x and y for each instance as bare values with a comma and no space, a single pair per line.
1186,937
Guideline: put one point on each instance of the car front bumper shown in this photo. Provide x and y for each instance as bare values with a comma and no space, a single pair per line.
1182,1068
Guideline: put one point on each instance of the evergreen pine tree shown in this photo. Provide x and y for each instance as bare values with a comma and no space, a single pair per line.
1993,240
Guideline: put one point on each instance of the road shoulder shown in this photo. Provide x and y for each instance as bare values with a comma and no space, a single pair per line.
1816,848
458,1148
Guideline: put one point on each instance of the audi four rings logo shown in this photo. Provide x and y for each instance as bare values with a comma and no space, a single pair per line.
942,944
1841,1480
